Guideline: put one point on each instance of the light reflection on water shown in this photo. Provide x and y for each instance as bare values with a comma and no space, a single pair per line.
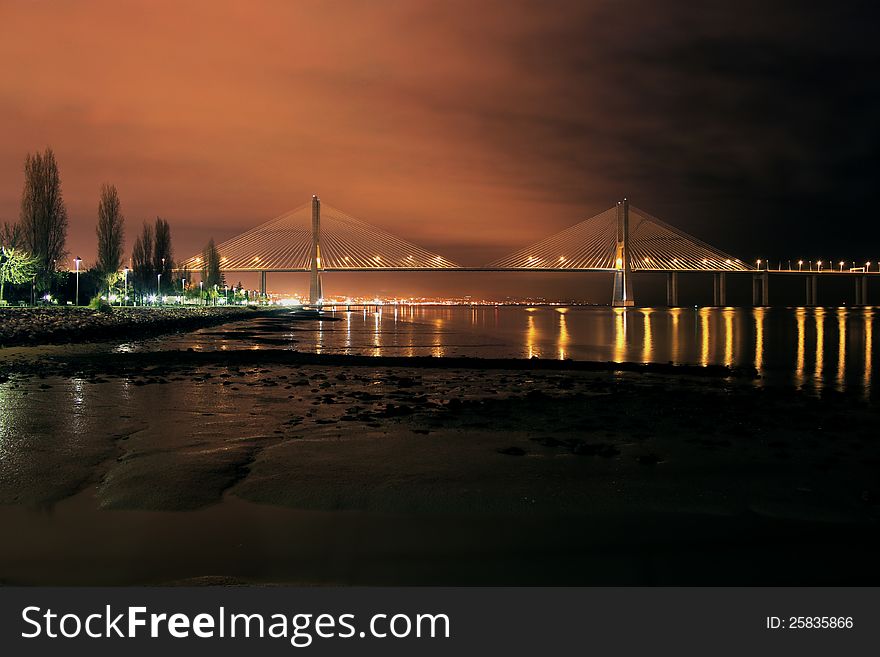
814,347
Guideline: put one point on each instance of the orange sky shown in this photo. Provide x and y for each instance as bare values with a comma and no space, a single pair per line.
470,127
220,115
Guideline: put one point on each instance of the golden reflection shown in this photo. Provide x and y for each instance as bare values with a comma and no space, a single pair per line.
799,364
619,335
728,336
377,335
647,338
562,340
704,336
841,347
531,336
759,338
820,347
675,314
869,337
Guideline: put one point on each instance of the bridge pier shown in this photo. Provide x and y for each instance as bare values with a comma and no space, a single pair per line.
262,285
672,289
316,292
719,292
861,290
812,286
761,289
623,293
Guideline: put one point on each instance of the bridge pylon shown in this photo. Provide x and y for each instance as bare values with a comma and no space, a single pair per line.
316,293
623,292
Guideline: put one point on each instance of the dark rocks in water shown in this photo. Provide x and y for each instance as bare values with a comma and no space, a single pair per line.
405,382
512,451
393,410
60,324
648,459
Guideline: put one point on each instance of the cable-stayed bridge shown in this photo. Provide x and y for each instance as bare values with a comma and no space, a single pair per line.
319,238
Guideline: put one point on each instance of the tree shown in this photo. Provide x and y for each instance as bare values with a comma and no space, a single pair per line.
11,235
110,231
16,266
43,214
163,261
142,260
211,274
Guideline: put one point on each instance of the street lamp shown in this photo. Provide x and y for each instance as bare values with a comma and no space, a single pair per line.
158,287
841,265
202,292
226,291
125,286
800,265
76,262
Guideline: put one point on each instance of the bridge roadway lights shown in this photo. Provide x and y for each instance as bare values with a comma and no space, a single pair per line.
672,289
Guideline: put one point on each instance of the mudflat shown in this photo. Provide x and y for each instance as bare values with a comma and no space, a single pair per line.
280,467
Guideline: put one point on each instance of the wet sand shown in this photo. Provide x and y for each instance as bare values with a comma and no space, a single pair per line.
275,466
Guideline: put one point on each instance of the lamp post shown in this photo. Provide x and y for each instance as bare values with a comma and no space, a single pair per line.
76,262
125,286
182,291
202,292
158,287
226,292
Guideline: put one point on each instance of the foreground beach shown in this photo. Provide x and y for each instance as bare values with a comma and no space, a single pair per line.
275,466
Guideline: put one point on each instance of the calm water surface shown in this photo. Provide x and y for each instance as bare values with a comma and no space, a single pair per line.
809,347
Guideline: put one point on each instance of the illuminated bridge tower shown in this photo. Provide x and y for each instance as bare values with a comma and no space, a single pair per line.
316,293
623,293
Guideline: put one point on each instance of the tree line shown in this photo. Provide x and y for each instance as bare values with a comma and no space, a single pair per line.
34,261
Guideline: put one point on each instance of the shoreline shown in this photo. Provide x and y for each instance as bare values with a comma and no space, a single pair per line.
61,325
133,361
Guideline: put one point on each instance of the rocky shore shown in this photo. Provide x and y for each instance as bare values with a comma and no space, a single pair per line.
53,325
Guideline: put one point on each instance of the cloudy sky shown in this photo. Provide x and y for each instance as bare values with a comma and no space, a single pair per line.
471,127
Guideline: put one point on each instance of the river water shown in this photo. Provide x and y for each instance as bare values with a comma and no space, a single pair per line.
813,348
